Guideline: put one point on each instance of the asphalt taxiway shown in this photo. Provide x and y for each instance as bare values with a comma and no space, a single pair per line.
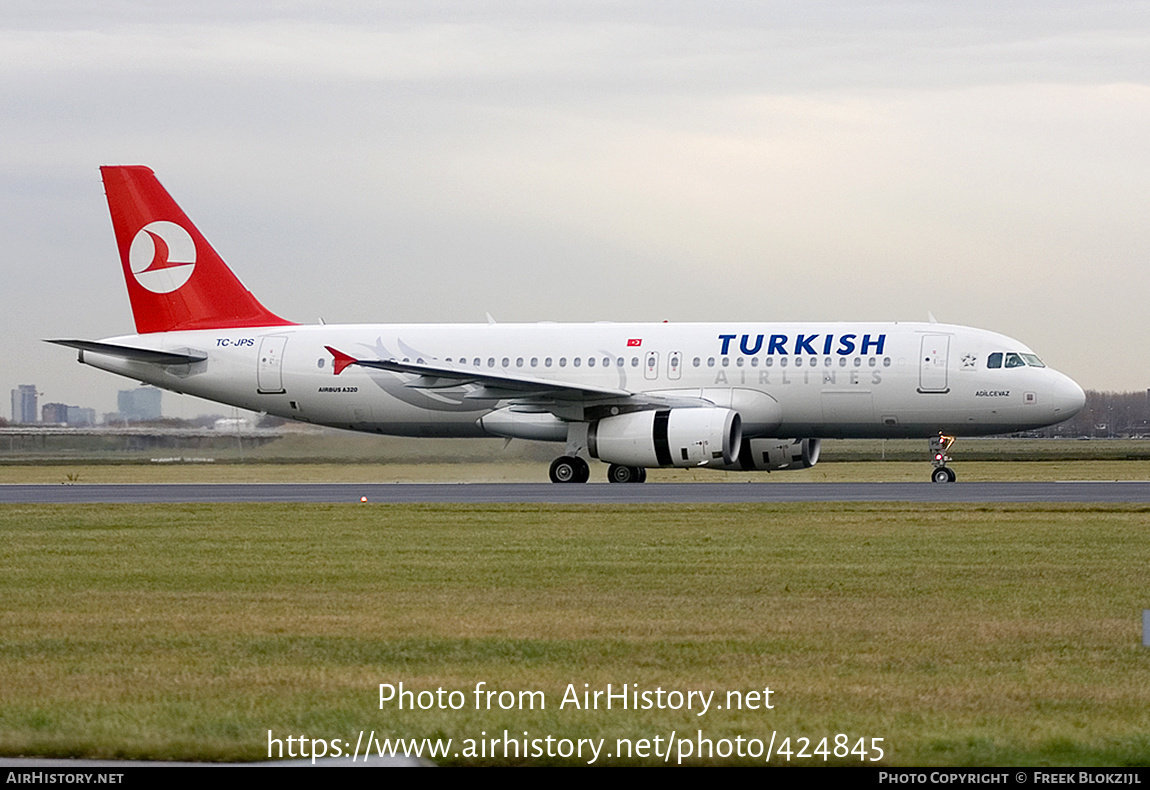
593,494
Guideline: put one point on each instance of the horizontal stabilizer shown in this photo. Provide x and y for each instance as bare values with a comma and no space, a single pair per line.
133,353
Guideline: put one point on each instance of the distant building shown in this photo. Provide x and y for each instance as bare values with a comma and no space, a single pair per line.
79,415
63,414
55,413
140,404
24,404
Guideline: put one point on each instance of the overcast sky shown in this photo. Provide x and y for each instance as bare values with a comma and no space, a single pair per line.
408,162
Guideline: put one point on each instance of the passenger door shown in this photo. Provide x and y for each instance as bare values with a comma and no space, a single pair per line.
932,363
269,372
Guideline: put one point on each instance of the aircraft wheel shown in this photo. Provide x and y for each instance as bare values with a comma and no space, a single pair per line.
950,472
583,471
565,470
626,474
942,475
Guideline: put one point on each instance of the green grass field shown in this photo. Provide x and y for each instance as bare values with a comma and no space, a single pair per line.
960,635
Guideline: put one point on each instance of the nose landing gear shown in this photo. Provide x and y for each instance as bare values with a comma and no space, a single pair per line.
938,457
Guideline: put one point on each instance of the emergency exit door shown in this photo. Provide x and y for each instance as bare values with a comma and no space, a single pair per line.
651,365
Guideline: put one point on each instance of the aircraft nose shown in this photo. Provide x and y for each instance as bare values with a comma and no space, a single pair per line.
1069,397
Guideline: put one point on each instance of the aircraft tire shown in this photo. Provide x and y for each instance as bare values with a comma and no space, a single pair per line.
626,474
565,469
942,475
582,469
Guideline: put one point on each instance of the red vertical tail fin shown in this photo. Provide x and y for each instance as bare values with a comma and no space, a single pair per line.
175,279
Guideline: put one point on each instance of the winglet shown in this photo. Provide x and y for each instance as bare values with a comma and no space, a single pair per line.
340,360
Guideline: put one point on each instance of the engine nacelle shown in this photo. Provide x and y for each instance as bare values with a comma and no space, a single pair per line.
668,437
773,455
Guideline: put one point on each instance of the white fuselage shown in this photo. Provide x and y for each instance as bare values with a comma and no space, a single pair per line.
788,379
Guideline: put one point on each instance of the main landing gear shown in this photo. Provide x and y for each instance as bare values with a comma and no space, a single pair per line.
573,469
938,447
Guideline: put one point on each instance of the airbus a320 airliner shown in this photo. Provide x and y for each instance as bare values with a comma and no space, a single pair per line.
733,395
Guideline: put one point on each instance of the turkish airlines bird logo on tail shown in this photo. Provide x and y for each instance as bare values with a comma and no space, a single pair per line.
162,256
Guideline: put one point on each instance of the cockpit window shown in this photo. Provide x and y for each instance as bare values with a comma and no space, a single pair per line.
1014,360
1033,361
994,360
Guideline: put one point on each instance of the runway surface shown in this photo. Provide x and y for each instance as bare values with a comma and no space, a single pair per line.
596,494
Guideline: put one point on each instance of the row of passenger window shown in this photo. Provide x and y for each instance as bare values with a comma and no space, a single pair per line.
534,362
1010,359
546,362
810,362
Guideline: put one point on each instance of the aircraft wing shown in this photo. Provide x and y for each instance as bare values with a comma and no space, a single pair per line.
492,384
133,353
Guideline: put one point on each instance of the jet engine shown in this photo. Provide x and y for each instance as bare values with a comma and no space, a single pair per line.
668,437
772,455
